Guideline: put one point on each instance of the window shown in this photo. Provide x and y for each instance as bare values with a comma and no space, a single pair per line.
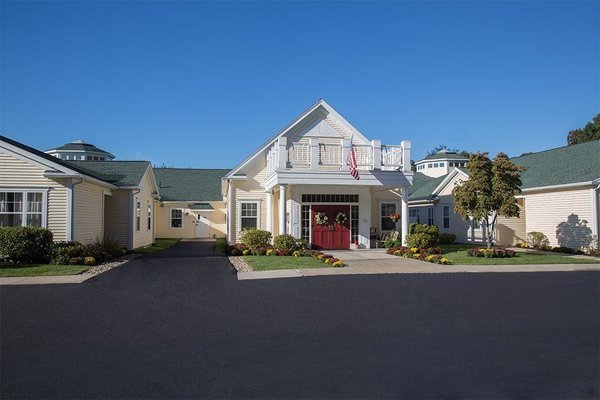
430,216
149,216
414,215
176,218
429,165
442,164
138,211
249,215
330,198
354,224
386,222
305,223
22,209
435,165
446,215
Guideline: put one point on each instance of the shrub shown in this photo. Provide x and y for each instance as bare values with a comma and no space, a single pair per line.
62,252
432,230
76,261
89,261
490,253
561,249
25,244
537,240
420,240
286,242
390,242
255,238
593,249
446,238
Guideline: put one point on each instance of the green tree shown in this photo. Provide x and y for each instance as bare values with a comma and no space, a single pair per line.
591,131
441,147
490,191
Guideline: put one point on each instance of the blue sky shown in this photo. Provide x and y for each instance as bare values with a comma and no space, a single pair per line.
202,84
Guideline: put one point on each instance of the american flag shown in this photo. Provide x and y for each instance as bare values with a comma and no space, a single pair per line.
352,162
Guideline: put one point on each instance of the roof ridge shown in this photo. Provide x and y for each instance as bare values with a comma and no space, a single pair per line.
568,146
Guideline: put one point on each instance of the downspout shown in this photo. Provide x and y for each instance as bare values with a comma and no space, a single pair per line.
229,210
71,207
595,212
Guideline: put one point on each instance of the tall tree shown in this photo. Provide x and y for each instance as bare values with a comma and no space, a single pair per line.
591,131
490,191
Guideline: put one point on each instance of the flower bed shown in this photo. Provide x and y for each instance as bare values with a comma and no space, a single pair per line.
430,254
491,253
243,250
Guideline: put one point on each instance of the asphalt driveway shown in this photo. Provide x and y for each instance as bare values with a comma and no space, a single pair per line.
178,324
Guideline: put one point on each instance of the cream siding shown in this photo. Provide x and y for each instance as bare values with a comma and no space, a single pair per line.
560,215
17,173
116,216
143,236
88,212
250,189
163,220
510,231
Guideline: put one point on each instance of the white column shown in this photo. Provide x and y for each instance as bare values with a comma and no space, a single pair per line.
230,212
282,212
376,149
314,153
345,151
595,221
404,214
282,152
406,155
269,204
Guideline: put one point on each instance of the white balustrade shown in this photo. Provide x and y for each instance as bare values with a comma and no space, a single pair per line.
315,154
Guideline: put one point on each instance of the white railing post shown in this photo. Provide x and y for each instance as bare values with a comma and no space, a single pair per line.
314,153
376,148
345,151
282,152
405,155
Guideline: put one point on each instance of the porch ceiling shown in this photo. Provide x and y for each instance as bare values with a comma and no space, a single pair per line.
367,178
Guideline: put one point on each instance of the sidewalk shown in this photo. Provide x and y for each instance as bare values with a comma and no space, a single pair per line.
45,280
374,262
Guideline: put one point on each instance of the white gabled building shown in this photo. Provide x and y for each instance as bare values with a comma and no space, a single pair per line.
302,172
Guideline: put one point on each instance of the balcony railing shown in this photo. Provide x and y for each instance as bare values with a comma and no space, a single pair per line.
322,153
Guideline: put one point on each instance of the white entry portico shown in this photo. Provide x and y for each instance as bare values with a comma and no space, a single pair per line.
303,171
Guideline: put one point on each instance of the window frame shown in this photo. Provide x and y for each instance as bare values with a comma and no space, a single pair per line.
171,218
149,226
24,206
414,210
445,218
240,216
430,216
138,215
381,216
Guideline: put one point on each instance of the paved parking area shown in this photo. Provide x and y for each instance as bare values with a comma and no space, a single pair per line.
178,324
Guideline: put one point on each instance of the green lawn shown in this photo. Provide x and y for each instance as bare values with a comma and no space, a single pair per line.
40,270
159,245
267,263
457,254
220,245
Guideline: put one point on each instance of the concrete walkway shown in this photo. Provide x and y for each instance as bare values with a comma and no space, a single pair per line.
376,261
45,280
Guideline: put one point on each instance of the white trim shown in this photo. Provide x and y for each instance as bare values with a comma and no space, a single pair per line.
24,203
595,222
451,175
171,217
563,186
239,216
296,122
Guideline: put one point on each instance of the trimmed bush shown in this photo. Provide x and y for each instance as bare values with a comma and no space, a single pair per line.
537,240
420,240
390,242
285,242
25,245
63,252
256,238
76,261
432,230
490,253
446,238
89,261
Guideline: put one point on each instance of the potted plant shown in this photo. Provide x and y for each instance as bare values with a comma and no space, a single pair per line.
395,217
354,246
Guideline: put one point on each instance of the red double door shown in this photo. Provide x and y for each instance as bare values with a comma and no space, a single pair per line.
332,235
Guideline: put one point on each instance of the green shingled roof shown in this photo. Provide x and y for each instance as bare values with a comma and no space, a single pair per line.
423,186
119,173
442,154
569,164
201,206
81,146
181,184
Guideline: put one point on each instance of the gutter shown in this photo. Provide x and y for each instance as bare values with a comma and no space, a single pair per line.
564,186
